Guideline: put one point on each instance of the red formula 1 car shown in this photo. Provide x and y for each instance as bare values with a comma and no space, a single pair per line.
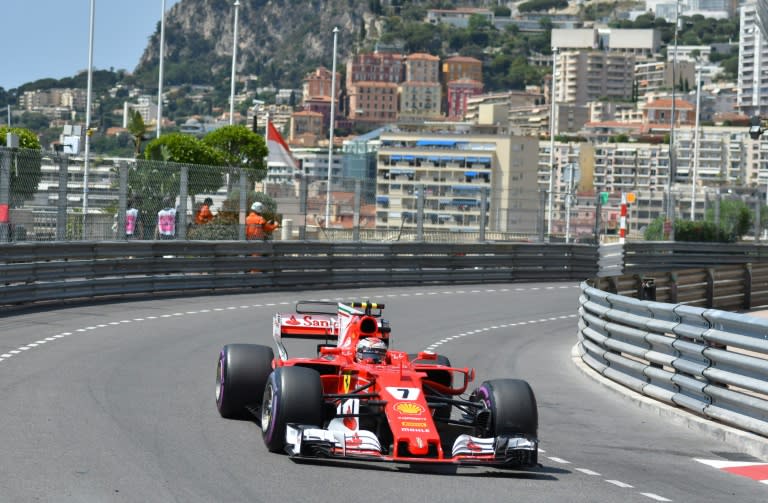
366,401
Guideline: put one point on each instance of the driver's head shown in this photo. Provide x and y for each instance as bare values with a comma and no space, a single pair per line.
371,348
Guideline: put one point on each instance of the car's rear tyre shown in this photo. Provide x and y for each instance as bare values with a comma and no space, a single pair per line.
443,377
292,395
241,375
512,406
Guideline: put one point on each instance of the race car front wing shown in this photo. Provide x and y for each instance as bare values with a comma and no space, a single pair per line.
313,442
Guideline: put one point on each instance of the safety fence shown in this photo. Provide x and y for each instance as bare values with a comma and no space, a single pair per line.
709,362
640,257
35,273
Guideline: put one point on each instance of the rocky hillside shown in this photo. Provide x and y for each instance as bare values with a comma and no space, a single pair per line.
279,40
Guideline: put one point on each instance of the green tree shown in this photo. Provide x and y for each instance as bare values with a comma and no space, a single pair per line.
240,147
206,173
27,172
138,131
735,218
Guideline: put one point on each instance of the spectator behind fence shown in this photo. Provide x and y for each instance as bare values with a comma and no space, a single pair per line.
166,220
204,215
132,222
256,226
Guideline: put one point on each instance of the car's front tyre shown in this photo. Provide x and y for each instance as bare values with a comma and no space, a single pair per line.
292,395
241,374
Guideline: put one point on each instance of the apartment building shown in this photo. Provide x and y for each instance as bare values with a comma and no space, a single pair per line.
641,43
753,56
458,94
372,86
459,167
458,17
584,76
654,77
420,93
317,84
459,67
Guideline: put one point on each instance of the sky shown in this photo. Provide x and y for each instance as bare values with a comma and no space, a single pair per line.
52,42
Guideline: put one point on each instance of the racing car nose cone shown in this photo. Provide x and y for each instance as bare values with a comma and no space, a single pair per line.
418,447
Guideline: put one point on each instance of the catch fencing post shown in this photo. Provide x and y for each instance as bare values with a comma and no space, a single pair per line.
122,169
61,205
5,192
243,204
483,206
183,193
419,213
356,217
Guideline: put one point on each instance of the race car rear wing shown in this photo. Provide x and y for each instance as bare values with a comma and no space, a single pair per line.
321,320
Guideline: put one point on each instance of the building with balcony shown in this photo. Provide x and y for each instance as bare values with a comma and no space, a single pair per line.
460,67
468,174
752,80
584,76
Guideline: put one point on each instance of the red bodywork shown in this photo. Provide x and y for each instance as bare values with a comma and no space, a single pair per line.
394,387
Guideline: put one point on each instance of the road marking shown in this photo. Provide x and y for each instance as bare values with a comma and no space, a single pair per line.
620,484
655,497
755,470
587,472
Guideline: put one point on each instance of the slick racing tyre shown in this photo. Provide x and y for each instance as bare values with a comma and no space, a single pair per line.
443,377
512,407
292,395
241,375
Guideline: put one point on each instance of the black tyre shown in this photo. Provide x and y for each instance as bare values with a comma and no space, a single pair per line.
292,395
512,406
443,377
241,375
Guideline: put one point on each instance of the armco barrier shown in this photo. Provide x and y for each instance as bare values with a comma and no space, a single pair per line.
54,272
709,362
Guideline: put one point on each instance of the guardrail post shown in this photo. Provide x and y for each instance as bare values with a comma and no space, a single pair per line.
672,288
61,204
710,291
747,286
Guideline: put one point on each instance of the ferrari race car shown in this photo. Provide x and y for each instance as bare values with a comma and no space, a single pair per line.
409,408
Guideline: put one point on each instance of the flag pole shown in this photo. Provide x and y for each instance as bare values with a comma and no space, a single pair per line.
330,131
266,142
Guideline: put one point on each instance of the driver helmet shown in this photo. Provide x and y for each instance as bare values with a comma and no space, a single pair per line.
257,207
371,348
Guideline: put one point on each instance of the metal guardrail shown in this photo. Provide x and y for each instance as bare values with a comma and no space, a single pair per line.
709,362
56,272
643,256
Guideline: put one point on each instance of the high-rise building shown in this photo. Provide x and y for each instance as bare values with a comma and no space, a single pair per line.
753,55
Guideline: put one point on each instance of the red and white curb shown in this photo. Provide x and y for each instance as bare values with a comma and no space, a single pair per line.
754,470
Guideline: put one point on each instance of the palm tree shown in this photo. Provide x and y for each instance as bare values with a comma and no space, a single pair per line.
137,129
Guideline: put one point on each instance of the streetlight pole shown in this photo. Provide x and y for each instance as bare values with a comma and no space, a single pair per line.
697,139
670,211
330,129
551,146
86,165
234,62
160,74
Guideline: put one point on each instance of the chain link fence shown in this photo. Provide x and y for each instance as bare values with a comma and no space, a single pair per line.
44,197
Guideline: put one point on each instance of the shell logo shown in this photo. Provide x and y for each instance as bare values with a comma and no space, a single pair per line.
409,408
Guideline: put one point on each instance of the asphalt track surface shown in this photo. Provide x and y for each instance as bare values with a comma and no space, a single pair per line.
115,402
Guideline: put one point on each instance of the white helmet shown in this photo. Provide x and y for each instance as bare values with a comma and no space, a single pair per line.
257,207
371,348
